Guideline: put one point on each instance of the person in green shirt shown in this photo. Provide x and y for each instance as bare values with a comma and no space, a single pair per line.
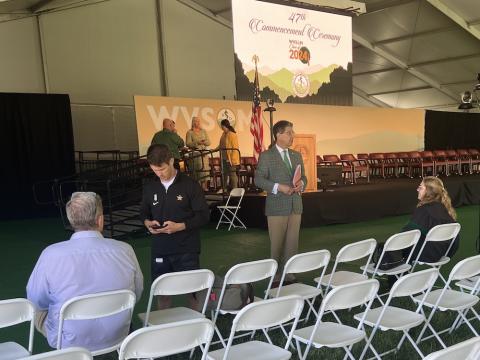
168,136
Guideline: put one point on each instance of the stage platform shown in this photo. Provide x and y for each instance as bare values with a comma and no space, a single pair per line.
362,202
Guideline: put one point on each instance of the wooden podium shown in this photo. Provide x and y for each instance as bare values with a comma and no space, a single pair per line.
306,145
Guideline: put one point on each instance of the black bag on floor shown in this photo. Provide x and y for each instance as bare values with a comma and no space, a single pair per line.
391,259
235,298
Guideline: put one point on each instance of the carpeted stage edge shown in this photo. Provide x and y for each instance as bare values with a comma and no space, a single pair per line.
362,201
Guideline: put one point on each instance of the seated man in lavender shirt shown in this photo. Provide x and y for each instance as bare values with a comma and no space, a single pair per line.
88,263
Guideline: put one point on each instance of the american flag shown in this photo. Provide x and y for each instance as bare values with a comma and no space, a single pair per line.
256,126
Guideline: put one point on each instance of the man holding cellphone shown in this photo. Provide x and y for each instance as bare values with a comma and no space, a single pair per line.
173,210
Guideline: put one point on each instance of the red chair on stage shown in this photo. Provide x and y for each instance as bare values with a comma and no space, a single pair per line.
390,164
465,159
215,172
418,163
441,161
454,162
376,162
357,165
403,163
428,161
247,170
347,170
474,160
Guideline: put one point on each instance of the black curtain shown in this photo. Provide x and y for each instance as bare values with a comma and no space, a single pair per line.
36,138
451,130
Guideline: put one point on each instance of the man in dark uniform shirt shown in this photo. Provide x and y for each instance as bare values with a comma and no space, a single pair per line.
173,210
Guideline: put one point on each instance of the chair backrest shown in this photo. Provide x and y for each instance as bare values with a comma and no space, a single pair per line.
414,154
267,313
252,271
426,154
440,153
331,158
466,350
182,282
402,240
307,261
350,295
451,153
466,268
16,311
443,232
348,157
357,250
167,339
94,306
414,283
376,156
72,353
237,192
363,156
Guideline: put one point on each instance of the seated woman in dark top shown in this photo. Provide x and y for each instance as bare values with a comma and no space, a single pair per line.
434,208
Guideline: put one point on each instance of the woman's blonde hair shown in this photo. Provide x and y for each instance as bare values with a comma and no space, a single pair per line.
435,191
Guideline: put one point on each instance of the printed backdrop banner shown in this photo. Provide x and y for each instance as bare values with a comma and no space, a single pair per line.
338,129
303,56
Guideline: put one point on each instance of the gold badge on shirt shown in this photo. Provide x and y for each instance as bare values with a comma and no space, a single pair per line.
179,197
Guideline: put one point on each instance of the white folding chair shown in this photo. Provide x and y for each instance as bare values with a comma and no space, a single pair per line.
248,272
396,242
177,283
466,350
348,253
301,263
447,299
261,315
12,312
167,339
73,353
444,232
336,334
388,317
95,306
228,212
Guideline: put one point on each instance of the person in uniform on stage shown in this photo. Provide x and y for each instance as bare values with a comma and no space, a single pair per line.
434,208
169,137
173,210
283,207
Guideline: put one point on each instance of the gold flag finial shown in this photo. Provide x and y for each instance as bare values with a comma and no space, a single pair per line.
255,59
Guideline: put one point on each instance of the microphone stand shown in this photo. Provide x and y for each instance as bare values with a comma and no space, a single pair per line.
271,109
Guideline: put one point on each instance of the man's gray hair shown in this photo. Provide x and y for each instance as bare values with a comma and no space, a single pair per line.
83,209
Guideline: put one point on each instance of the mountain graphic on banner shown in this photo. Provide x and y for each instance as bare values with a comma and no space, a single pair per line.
281,81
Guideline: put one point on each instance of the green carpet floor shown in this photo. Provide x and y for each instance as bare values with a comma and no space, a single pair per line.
23,241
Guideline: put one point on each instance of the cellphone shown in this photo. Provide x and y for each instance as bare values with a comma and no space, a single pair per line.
156,227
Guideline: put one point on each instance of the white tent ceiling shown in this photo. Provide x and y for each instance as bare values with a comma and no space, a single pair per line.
406,53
